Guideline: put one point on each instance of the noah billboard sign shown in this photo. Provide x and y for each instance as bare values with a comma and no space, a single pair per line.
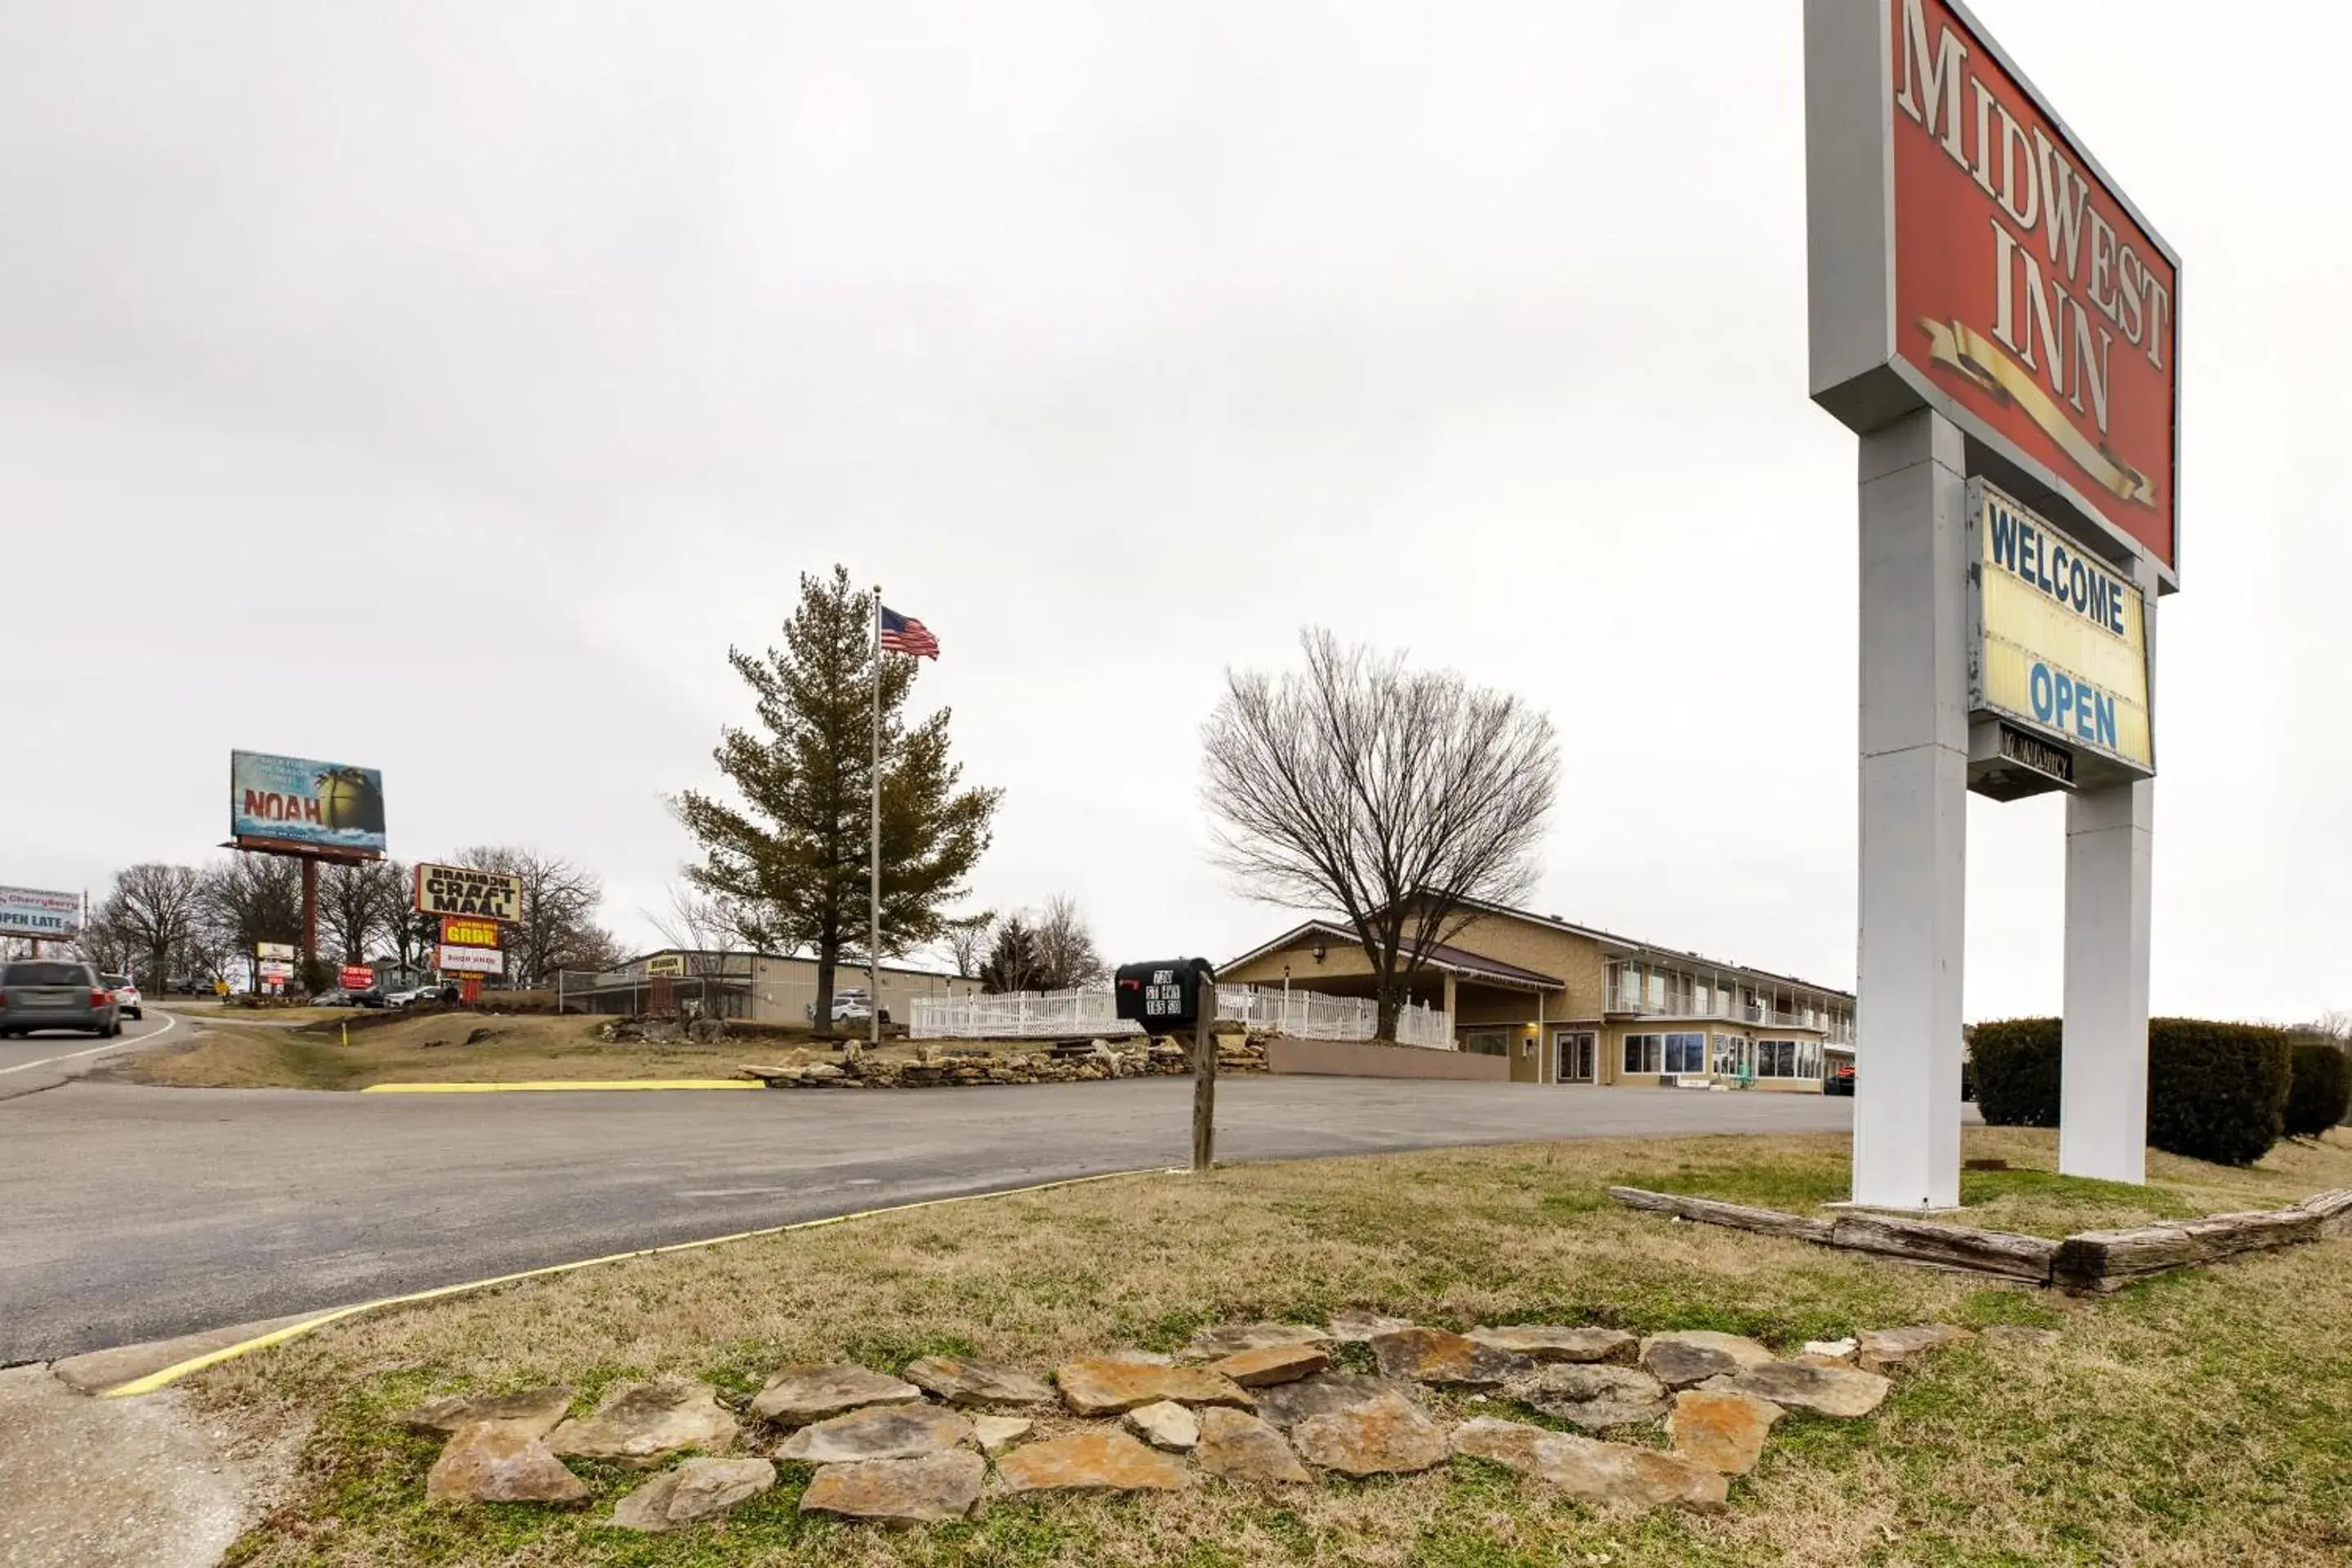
1967,254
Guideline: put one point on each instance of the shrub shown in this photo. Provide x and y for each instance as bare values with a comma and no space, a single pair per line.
2015,1063
2321,1090
2216,1091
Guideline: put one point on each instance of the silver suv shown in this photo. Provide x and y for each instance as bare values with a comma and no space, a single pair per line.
56,993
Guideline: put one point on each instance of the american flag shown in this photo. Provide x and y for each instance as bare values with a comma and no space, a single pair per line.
904,634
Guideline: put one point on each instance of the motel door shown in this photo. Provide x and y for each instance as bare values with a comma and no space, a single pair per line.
1577,1053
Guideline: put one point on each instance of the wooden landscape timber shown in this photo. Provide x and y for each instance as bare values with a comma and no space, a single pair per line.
1738,1216
2013,1256
2092,1263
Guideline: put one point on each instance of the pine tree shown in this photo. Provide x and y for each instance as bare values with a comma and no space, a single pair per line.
791,852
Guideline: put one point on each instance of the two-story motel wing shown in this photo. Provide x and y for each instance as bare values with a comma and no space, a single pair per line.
1571,1004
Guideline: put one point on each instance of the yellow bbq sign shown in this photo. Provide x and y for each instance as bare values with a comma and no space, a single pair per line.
2061,644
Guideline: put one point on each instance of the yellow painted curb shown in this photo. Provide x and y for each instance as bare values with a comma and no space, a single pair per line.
171,1374
537,1086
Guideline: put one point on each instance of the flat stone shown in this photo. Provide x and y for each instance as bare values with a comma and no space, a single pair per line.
1435,1356
1597,1397
1285,1405
1691,1356
1824,1353
994,1434
1231,1339
961,1380
1721,1430
1544,1342
877,1432
645,1420
490,1461
929,1490
1589,1471
2016,1336
1822,1389
1352,1326
1270,1364
1244,1448
800,1394
1164,1423
533,1411
1096,1385
695,1490
1882,1348
1088,1461
1387,1435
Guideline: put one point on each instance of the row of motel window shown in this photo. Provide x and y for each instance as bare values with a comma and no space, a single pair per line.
1686,1053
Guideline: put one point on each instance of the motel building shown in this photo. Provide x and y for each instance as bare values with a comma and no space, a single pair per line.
1576,1006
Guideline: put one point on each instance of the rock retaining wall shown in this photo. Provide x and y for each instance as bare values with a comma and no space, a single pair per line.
947,1065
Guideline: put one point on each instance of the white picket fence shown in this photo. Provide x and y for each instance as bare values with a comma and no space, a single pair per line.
1047,1015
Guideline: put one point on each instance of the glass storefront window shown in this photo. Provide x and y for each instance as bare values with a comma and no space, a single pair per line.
1686,1053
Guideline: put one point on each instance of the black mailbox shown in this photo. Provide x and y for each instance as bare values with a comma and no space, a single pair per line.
1166,995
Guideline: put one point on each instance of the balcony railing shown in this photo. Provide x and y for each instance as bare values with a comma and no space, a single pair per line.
1633,999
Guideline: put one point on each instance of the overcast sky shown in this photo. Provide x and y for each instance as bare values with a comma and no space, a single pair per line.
444,387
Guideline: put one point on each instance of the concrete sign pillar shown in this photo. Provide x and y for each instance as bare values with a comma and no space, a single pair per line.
2103,1082
1914,766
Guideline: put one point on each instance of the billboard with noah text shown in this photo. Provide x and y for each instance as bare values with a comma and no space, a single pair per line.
294,803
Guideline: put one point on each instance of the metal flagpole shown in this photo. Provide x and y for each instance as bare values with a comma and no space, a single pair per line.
874,891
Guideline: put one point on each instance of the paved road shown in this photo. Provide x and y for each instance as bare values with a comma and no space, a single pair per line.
46,1059
129,1213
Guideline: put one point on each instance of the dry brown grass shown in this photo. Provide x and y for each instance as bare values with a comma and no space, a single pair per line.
231,1051
425,1049
2196,1421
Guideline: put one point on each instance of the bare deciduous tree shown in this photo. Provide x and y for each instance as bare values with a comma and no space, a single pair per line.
557,926
707,929
1065,946
967,940
1394,796
359,903
249,898
152,911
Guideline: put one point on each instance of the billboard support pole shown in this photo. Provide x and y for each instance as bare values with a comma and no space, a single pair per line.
1914,787
309,916
2103,1070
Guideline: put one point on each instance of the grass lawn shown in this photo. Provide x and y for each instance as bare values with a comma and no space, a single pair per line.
2198,1419
226,1054
233,1052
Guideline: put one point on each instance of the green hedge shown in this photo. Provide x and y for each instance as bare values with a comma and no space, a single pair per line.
2321,1092
2215,1091
2015,1063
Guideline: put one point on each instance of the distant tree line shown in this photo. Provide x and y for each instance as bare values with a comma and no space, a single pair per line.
166,921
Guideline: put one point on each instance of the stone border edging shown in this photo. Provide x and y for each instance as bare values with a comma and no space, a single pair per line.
2090,1263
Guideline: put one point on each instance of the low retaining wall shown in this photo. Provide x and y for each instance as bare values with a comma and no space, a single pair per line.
1352,1058
2091,1263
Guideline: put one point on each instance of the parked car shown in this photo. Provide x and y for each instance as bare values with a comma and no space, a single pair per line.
56,993
370,997
332,996
850,1006
128,1003
1840,1081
